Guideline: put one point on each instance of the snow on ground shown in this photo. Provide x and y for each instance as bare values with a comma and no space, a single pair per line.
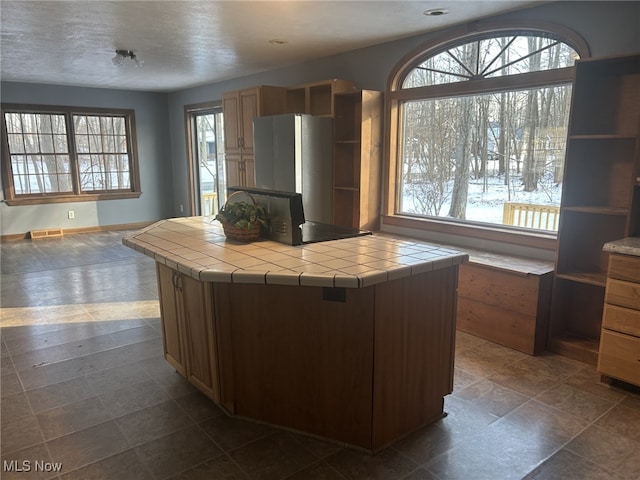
488,206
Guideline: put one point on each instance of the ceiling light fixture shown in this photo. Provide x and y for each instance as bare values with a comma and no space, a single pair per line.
122,55
435,12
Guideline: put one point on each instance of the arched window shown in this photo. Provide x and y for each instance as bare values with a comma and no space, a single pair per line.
478,129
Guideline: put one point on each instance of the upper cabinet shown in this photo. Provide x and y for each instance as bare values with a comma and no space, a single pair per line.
239,108
600,197
317,98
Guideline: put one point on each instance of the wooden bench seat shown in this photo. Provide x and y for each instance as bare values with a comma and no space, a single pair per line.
505,299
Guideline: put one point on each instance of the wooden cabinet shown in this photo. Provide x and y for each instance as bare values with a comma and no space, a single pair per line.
239,108
172,332
357,159
364,366
316,98
619,355
240,170
506,300
188,329
600,197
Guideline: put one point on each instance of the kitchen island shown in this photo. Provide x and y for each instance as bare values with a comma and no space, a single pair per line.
350,340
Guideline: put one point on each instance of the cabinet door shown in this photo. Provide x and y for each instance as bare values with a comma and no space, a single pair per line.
235,175
249,170
231,114
198,320
619,356
171,331
248,111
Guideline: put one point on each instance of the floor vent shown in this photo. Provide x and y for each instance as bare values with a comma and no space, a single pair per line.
46,233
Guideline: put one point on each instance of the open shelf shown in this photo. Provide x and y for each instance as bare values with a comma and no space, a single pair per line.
346,164
316,98
597,279
348,115
580,240
296,100
598,210
320,100
575,346
577,310
606,97
599,172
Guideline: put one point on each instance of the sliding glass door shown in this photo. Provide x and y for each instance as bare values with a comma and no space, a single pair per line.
207,166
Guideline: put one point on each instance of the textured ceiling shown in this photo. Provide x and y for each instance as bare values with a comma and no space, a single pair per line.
189,43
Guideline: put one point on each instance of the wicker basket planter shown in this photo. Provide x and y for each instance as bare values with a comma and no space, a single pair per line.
241,220
242,234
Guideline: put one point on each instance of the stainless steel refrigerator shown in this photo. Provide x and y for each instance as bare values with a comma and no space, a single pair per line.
293,153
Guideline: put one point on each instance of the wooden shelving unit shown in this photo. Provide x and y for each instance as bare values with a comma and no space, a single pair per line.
600,198
316,98
357,159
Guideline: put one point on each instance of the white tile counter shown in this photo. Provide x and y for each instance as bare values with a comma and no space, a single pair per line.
196,246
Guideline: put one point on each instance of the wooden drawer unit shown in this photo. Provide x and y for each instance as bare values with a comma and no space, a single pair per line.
619,355
619,319
624,294
624,267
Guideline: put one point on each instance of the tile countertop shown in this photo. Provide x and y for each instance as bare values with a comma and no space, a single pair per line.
197,247
625,246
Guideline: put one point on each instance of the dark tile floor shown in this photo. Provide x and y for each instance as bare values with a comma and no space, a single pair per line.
85,389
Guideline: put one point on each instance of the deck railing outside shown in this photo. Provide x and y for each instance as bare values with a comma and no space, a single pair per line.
209,203
541,217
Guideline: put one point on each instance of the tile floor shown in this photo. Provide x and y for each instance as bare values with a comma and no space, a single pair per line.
85,387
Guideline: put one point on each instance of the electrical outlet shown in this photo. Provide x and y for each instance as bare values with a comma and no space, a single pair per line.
72,214
181,208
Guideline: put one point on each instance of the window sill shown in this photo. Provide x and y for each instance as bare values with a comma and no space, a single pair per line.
533,239
71,198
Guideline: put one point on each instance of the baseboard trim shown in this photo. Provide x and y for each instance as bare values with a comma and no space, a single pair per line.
71,231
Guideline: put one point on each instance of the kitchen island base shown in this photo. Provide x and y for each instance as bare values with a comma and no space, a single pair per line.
362,366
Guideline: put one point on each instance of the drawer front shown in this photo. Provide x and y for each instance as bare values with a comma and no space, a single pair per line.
620,356
624,294
620,319
624,267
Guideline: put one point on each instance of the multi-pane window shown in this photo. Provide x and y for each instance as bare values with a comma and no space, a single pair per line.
481,130
103,153
59,154
39,153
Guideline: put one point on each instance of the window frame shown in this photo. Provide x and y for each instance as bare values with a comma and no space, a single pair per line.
396,95
13,199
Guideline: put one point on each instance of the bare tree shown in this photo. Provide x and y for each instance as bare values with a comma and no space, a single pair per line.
460,191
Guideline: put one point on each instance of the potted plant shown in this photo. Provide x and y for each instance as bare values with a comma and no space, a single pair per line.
242,220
